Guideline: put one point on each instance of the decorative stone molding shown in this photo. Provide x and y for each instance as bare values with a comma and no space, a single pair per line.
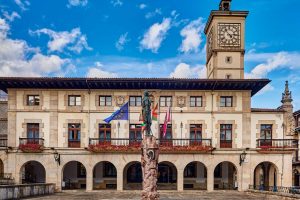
203,124
82,133
271,122
234,101
104,108
34,121
74,108
120,100
234,131
196,94
33,92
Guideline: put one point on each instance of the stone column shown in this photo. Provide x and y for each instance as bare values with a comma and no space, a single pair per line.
120,179
180,180
210,179
89,179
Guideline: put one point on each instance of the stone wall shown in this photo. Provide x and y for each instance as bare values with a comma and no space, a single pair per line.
23,191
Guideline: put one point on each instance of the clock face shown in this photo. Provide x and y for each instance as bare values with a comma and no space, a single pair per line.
229,35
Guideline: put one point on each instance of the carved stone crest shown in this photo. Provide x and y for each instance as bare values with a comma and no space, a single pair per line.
181,101
120,100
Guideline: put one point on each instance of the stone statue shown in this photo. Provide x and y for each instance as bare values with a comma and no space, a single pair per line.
150,153
146,104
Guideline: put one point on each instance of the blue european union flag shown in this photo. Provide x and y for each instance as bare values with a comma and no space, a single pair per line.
121,114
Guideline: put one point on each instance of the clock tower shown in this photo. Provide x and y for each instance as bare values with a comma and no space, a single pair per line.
225,36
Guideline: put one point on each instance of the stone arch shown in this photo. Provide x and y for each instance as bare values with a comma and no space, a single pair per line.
167,176
296,178
132,176
104,175
32,172
74,175
265,175
226,176
195,176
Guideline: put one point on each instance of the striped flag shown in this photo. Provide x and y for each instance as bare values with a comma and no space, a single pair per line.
155,113
167,119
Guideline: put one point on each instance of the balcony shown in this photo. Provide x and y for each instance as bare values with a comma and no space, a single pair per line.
134,145
74,143
276,144
31,145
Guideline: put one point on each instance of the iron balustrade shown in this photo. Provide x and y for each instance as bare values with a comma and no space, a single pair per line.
3,142
161,142
277,143
6,179
290,190
25,141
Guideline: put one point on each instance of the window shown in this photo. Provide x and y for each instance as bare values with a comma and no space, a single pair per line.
105,101
226,136
135,133
196,101
33,100
196,132
266,135
165,101
33,130
168,135
104,132
74,100
228,59
74,135
109,170
225,101
81,172
190,170
135,101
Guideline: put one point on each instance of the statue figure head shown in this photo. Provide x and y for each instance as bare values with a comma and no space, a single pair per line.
146,93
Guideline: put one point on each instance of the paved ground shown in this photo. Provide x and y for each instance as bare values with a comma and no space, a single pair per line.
135,195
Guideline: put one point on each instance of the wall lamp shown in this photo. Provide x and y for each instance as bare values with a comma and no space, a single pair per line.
56,156
242,157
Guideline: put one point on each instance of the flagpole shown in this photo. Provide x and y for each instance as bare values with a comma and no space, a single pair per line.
158,120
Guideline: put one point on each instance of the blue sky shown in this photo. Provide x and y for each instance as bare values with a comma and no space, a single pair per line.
145,38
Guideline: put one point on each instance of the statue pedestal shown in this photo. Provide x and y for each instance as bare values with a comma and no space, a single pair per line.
150,153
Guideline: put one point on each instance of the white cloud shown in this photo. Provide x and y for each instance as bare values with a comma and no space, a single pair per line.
276,61
155,35
142,6
192,36
11,17
77,3
184,70
98,72
154,13
74,40
116,3
267,88
22,4
123,40
18,59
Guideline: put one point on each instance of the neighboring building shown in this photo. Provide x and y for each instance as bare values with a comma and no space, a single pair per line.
296,161
3,127
215,140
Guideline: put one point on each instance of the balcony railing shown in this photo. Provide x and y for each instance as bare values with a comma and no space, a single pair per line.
31,144
134,145
74,143
277,144
6,179
3,142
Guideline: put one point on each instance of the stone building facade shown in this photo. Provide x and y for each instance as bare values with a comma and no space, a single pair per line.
215,140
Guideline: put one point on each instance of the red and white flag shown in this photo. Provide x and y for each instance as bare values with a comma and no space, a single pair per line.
167,119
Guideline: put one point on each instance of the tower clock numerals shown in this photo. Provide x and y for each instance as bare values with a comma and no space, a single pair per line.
229,35
209,43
